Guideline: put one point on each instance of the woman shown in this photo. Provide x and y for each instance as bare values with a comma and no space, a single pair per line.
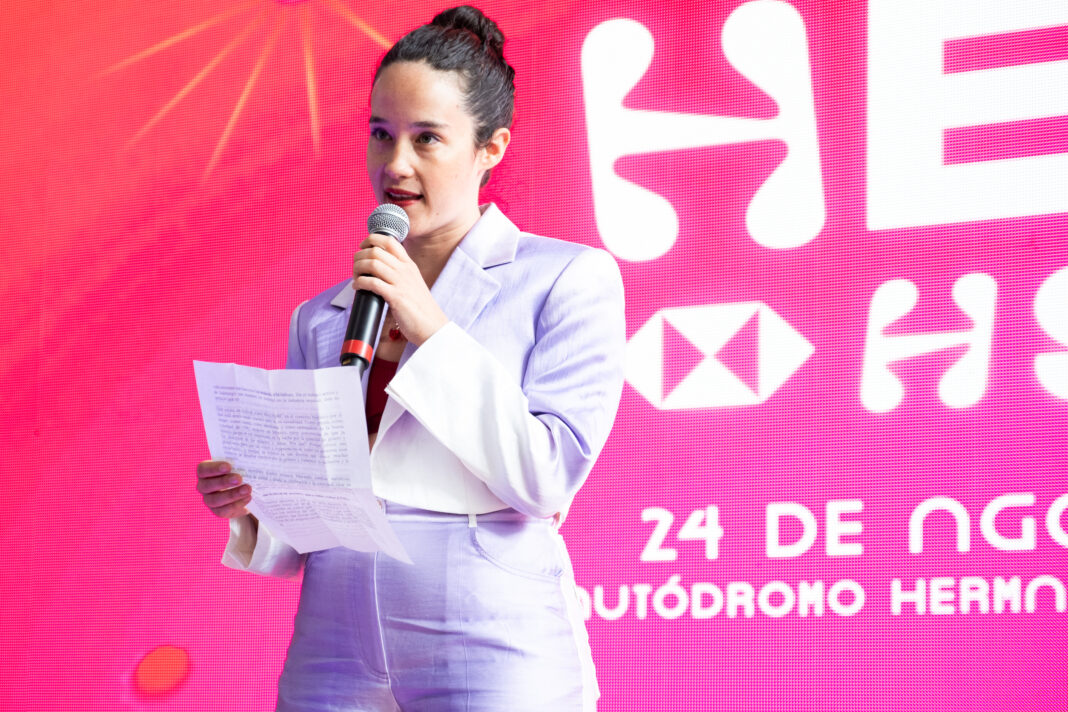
502,354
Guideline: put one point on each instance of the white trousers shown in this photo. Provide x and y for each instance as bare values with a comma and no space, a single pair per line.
487,619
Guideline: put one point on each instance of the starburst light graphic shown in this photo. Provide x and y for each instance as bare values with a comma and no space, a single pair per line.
269,19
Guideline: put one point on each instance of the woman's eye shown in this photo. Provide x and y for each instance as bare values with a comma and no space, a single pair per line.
426,138
379,134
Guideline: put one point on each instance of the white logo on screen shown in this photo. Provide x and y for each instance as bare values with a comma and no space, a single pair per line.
1051,313
765,41
912,102
964,383
779,352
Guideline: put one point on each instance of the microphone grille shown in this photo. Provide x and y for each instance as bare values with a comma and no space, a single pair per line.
389,219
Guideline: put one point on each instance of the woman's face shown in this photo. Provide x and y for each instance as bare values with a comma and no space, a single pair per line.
421,152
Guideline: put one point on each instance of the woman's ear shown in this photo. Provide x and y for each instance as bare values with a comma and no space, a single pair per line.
493,151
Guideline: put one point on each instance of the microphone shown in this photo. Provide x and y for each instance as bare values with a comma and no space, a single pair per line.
366,315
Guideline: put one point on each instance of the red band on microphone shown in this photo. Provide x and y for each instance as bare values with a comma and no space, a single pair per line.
358,348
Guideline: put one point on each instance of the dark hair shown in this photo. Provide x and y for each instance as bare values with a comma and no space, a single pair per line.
465,41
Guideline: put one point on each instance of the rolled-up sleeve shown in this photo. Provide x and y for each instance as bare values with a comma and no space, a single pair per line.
253,548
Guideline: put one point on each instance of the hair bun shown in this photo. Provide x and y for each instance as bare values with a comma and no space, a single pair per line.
465,41
471,19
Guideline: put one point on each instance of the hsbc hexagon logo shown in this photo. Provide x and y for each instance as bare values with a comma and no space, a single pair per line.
714,356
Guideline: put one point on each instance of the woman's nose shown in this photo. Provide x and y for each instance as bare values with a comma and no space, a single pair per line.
399,163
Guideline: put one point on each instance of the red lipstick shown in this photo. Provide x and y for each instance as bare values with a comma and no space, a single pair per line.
400,197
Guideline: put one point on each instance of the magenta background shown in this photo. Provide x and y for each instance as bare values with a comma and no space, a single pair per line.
121,266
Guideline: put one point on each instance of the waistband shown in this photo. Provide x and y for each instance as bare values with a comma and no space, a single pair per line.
403,512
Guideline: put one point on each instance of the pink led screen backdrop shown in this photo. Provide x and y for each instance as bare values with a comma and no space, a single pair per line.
837,479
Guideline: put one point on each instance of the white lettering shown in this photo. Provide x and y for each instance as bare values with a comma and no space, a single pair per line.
776,610
912,102
945,504
697,594
941,595
917,597
774,512
740,595
810,597
703,525
641,599
1026,541
765,40
1050,300
1007,592
1055,584
1053,520
836,527
963,383
604,611
974,589
671,589
654,549
834,597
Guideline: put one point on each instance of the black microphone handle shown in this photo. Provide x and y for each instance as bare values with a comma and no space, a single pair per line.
366,316
364,325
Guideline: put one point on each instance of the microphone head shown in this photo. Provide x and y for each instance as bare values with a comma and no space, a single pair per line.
389,219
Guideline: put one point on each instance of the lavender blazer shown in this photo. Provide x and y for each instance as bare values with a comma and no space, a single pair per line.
510,403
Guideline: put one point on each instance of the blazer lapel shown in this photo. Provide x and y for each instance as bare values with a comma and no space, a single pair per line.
465,286
330,332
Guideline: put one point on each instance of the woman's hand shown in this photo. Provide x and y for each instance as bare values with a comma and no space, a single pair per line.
222,490
383,266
